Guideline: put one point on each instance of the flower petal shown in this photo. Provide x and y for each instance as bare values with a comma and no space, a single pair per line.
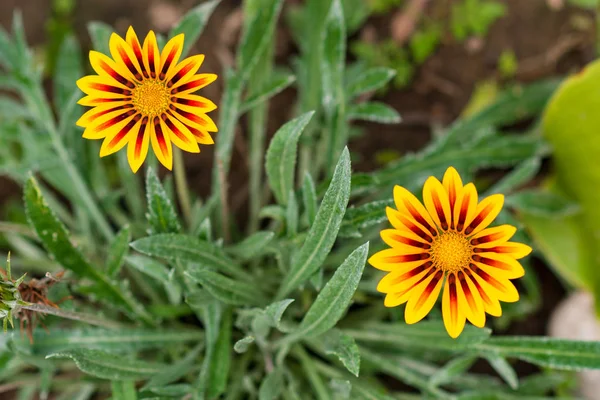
151,55
404,223
194,103
469,300
436,201
94,101
512,249
411,207
123,54
399,241
97,112
487,210
106,67
454,319
401,281
194,83
138,57
104,87
500,265
170,56
491,237
119,138
184,70
424,297
453,185
466,204
138,145
161,143
107,124
180,135
491,305
393,260
495,286
401,293
198,121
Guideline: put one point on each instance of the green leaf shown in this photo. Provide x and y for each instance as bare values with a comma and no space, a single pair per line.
272,386
278,82
211,312
256,36
241,346
426,335
178,390
503,368
323,232
331,303
221,359
55,239
280,161
364,216
226,289
374,112
68,70
542,204
544,351
309,197
253,246
291,215
176,371
371,80
148,266
124,390
192,24
161,216
117,252
344,347
115,340
109,365
275,311
454,368
179,247
100,34
522,174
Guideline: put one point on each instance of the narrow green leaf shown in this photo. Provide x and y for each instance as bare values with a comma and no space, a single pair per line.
545,352
272,386
542,204
176,371
100,34
221,360
117,252
110,366
344,347
226,289
504,369
252,246
275,311
192,24
148,266
178,247
55,239
374,112
241,346
123,390
364,216
323,232
341,389
114,340
424,335
256,36
178,390
68,69
517,177
456,367
291,215
331,303
281,157
277,83
309,197
161,216
371,80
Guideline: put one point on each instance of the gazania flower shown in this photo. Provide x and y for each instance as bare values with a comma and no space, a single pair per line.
142,95
446,243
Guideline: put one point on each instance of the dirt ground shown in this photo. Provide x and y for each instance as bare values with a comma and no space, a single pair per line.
546,42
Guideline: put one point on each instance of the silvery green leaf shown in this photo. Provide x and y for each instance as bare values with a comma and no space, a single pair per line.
278,82
504,369
241,346
100,34
117,252
252,246
162,216
369,81
272,386
192,24
374,112
309,197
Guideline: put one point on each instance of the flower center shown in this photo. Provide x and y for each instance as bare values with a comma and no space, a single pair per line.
451,251
151,97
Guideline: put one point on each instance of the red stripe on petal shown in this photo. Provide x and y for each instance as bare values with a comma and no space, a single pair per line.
453,298
415,229
111,122
419,218
491,262
410,242
181,73
176,131
407,258
188,102
160,137
118,77
109,88
429,289
127,61
168,62
484,296
191,85
122,133
488,238
467,290
479,218
487,277
102,101
139,140
151,61
439,210
192,117
101,113
463,211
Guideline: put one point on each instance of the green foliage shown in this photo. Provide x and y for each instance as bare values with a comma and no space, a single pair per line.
474,17
204,304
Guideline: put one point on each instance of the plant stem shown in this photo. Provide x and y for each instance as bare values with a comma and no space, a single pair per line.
313,376
76,316
46,118
181,185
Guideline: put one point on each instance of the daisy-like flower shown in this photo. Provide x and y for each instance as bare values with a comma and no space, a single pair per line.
142,95
446,242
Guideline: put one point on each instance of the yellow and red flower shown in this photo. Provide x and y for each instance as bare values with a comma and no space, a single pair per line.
142,95
445,242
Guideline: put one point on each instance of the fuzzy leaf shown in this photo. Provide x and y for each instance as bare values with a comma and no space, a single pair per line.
252,246
542,204
176,371
226,289
323,232
162,216
309,197
280,161
192,24
364,216
504,369
277,83
456,367
374,112
68,69
117,252
179,247
522,174
221,359
241,346
100,34
272,386
110,366
369,81
344,347
332,302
